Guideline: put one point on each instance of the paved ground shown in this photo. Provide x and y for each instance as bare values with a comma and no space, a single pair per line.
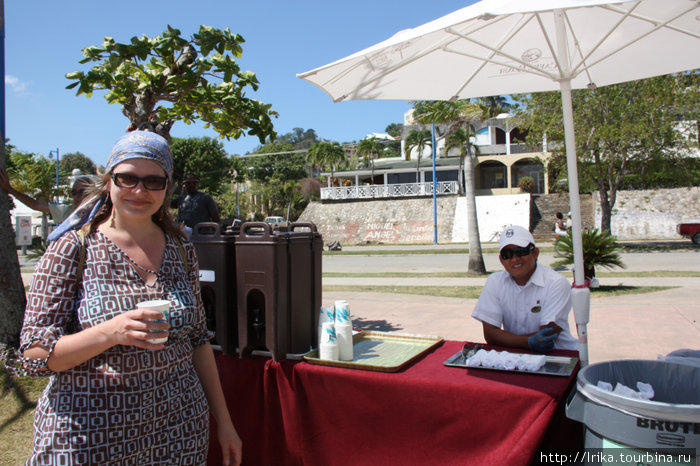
621,327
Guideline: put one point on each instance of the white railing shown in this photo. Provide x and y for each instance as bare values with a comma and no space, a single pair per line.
388,190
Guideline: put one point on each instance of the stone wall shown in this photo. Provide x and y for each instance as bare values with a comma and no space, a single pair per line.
382,221
653,213
650,214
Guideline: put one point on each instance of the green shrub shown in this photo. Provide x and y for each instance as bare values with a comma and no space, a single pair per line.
599,250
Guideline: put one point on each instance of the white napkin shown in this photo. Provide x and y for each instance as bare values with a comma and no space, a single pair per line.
644,390
508,361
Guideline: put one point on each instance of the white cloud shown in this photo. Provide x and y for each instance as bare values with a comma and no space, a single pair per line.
17,86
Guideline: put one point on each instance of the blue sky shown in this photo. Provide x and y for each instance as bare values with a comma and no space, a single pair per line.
44,38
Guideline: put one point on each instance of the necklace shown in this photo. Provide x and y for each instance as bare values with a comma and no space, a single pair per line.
144,269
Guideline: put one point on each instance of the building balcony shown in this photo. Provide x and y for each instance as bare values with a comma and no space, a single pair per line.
376,191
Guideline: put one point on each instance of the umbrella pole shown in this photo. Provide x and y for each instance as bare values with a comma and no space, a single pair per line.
580,294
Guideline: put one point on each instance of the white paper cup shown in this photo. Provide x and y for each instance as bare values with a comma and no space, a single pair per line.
326,315
162,305
328,346
342,312
345,342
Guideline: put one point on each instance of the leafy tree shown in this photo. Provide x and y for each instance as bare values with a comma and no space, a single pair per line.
310,188
370,149
419,140
167,78
73,160
394,129
278,146
33,174
326,154
458,114
620,129
300,138
269,175
206,158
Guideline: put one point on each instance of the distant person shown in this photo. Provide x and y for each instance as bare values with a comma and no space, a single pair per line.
193,206
559,226
58,211
526,305
569,222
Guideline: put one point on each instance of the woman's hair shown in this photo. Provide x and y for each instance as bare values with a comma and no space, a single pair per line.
163,218
560,216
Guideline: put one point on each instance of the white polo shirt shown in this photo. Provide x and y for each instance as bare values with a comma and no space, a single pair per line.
522,310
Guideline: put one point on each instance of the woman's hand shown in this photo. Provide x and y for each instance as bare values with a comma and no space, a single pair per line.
136,328
231,444
133,328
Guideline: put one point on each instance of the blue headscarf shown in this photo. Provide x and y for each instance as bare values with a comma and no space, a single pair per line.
142,145
134,145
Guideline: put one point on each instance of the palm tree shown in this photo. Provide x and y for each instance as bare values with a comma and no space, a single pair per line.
459,113
292,191
326,154
492,106
370,148
418,140
459,140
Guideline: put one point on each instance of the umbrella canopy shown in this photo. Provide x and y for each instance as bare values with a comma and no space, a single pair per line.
498,47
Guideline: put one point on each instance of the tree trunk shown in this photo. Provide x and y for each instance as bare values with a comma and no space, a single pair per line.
476,259
605,210
12,298
460,174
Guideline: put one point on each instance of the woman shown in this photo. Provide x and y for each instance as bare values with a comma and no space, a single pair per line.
115,397
559,228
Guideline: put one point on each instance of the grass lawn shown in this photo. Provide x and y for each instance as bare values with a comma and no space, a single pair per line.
472,292
18,400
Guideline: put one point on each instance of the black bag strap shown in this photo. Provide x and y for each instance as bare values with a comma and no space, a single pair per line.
81,261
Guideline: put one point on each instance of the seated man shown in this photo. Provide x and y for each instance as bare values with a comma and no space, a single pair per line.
529,300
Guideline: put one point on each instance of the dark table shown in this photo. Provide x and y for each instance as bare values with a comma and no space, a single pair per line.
296,413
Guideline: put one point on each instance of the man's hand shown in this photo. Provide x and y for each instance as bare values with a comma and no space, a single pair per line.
543,340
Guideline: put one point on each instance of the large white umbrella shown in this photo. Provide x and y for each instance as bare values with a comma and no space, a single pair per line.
496,47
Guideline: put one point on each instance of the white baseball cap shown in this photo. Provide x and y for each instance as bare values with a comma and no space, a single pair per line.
516,235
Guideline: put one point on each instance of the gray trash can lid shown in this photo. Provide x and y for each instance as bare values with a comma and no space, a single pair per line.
676,388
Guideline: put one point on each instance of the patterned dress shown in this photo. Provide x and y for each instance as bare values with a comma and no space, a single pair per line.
127,406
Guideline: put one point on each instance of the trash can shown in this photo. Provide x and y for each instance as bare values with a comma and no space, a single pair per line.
216,254
262,288
670,421
304,248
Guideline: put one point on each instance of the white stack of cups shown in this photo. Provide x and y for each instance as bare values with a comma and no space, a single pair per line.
326,315
343,330
328,346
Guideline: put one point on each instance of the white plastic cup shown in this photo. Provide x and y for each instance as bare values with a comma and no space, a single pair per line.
326,315
342,312
328,346
345,343
161,305
343,329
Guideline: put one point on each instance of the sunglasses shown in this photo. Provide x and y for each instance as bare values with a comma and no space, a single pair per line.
507,254
151,182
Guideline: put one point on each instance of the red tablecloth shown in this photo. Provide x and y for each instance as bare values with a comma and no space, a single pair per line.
296,413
